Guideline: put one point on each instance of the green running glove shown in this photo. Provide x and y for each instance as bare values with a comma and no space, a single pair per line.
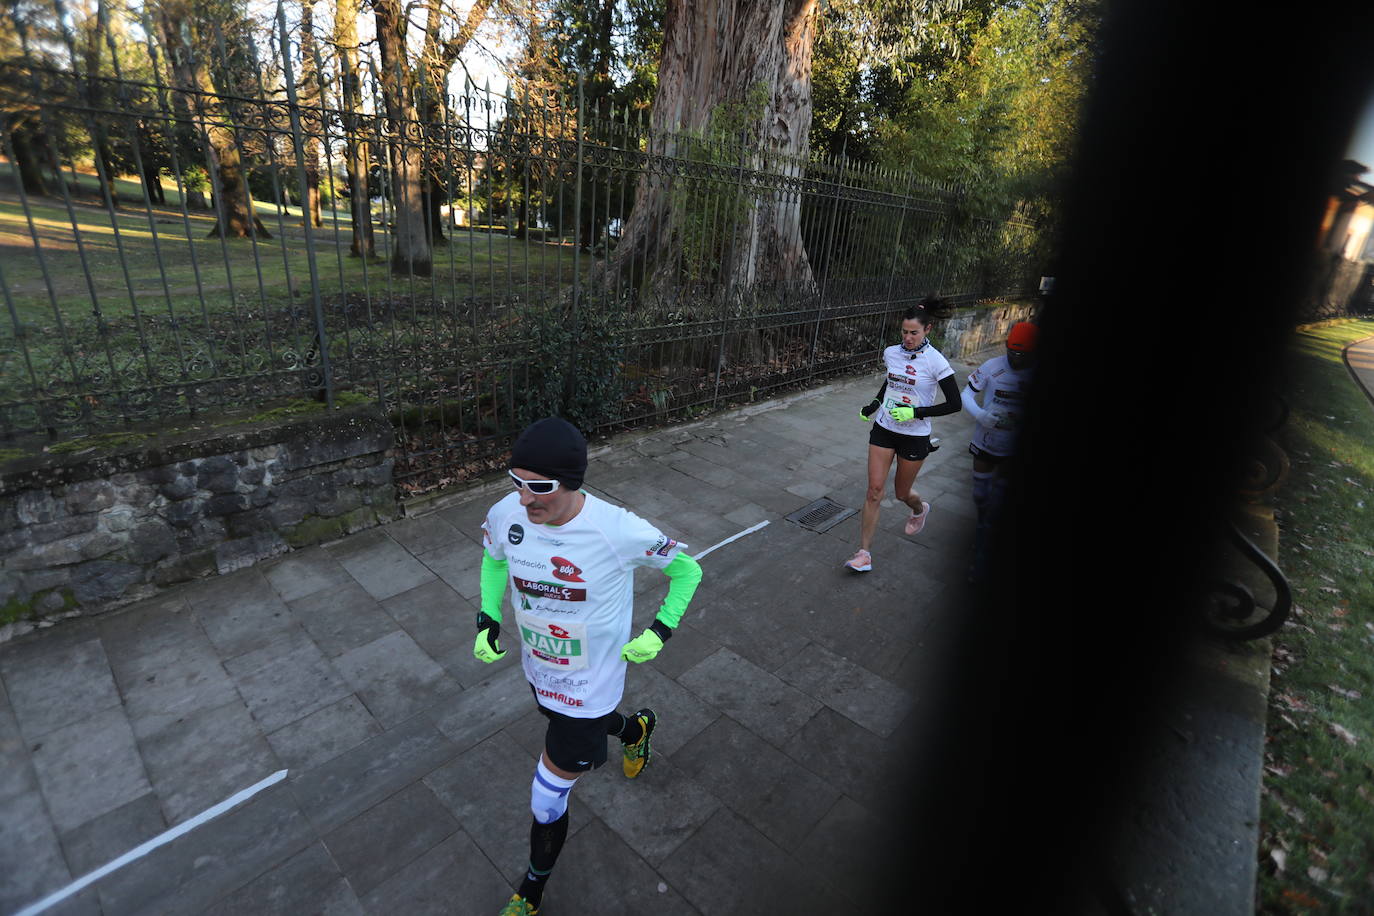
487,647
642,648
902,413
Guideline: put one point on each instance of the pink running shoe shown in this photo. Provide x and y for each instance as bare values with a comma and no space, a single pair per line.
860,562
917,522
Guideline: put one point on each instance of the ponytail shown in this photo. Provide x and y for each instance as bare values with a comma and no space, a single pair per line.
928,309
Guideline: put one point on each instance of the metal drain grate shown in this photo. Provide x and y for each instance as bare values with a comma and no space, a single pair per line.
821,515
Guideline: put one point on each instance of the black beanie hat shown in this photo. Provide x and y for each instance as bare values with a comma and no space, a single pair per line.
554,447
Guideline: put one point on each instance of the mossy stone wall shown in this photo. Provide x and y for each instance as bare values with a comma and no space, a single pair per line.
84,532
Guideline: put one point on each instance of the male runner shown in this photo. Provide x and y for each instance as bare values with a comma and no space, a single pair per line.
568,560
1002,381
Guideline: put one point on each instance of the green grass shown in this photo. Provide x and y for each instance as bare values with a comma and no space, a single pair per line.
1317,810
164,258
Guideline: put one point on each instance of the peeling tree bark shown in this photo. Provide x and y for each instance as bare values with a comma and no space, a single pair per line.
190,74
411,252
716,52
363,243
312,100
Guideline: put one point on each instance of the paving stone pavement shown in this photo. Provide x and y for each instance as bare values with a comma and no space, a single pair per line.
349,665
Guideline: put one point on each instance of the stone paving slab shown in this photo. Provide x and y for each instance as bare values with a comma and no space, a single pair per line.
602,867
305,572
212,861
654,813
452,877
324,734
340,789
198,761
380,565
387,837
307,882
729,868
394,678
761,702
286,680
239,612
498,816
342,618
777,796
89,768
52,686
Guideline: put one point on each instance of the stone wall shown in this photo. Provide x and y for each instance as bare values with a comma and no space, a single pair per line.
972,330
85,533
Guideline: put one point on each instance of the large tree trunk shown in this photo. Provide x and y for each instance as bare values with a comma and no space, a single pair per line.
25,133
232,198
411,250
95,98
312,104
721,53
437,60
363,243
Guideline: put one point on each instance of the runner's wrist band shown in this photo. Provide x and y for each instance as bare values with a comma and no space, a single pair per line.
661,630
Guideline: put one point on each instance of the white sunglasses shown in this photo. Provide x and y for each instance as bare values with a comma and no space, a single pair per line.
539,487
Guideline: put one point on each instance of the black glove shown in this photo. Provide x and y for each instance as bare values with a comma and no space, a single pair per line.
872,408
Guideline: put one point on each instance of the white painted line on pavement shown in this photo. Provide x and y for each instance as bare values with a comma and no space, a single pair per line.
161,839
733,537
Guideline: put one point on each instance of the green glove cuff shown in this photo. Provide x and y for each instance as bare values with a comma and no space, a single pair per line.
487,645
494,579
642,648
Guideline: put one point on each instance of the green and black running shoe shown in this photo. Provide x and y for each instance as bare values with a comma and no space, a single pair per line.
637,754
518,906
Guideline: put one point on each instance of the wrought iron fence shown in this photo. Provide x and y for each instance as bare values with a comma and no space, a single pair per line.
482,263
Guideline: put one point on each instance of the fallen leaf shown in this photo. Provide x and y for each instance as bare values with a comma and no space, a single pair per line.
1348,694
1300,898
1317,874
1327,588
1280,859
1294,703
1344,734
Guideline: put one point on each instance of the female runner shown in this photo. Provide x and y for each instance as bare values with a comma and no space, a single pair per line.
903,406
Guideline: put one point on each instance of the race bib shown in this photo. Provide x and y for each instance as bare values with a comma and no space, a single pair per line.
561,645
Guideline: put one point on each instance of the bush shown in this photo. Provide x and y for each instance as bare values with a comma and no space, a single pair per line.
594,341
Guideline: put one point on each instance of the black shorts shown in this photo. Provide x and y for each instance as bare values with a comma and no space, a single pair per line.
575,745
908,448
987,456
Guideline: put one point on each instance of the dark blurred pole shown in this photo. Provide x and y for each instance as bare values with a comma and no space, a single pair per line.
1208,146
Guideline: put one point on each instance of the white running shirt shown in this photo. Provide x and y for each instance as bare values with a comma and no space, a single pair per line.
914,382
1003,390
572,587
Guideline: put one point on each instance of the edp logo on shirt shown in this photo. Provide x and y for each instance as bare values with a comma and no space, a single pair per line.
516,534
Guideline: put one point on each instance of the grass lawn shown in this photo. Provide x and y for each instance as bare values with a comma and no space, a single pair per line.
169,264
1317,810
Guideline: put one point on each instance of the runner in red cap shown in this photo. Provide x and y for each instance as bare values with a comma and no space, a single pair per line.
1002,382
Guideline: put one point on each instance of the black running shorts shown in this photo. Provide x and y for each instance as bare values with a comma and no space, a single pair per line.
575,745
908,448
